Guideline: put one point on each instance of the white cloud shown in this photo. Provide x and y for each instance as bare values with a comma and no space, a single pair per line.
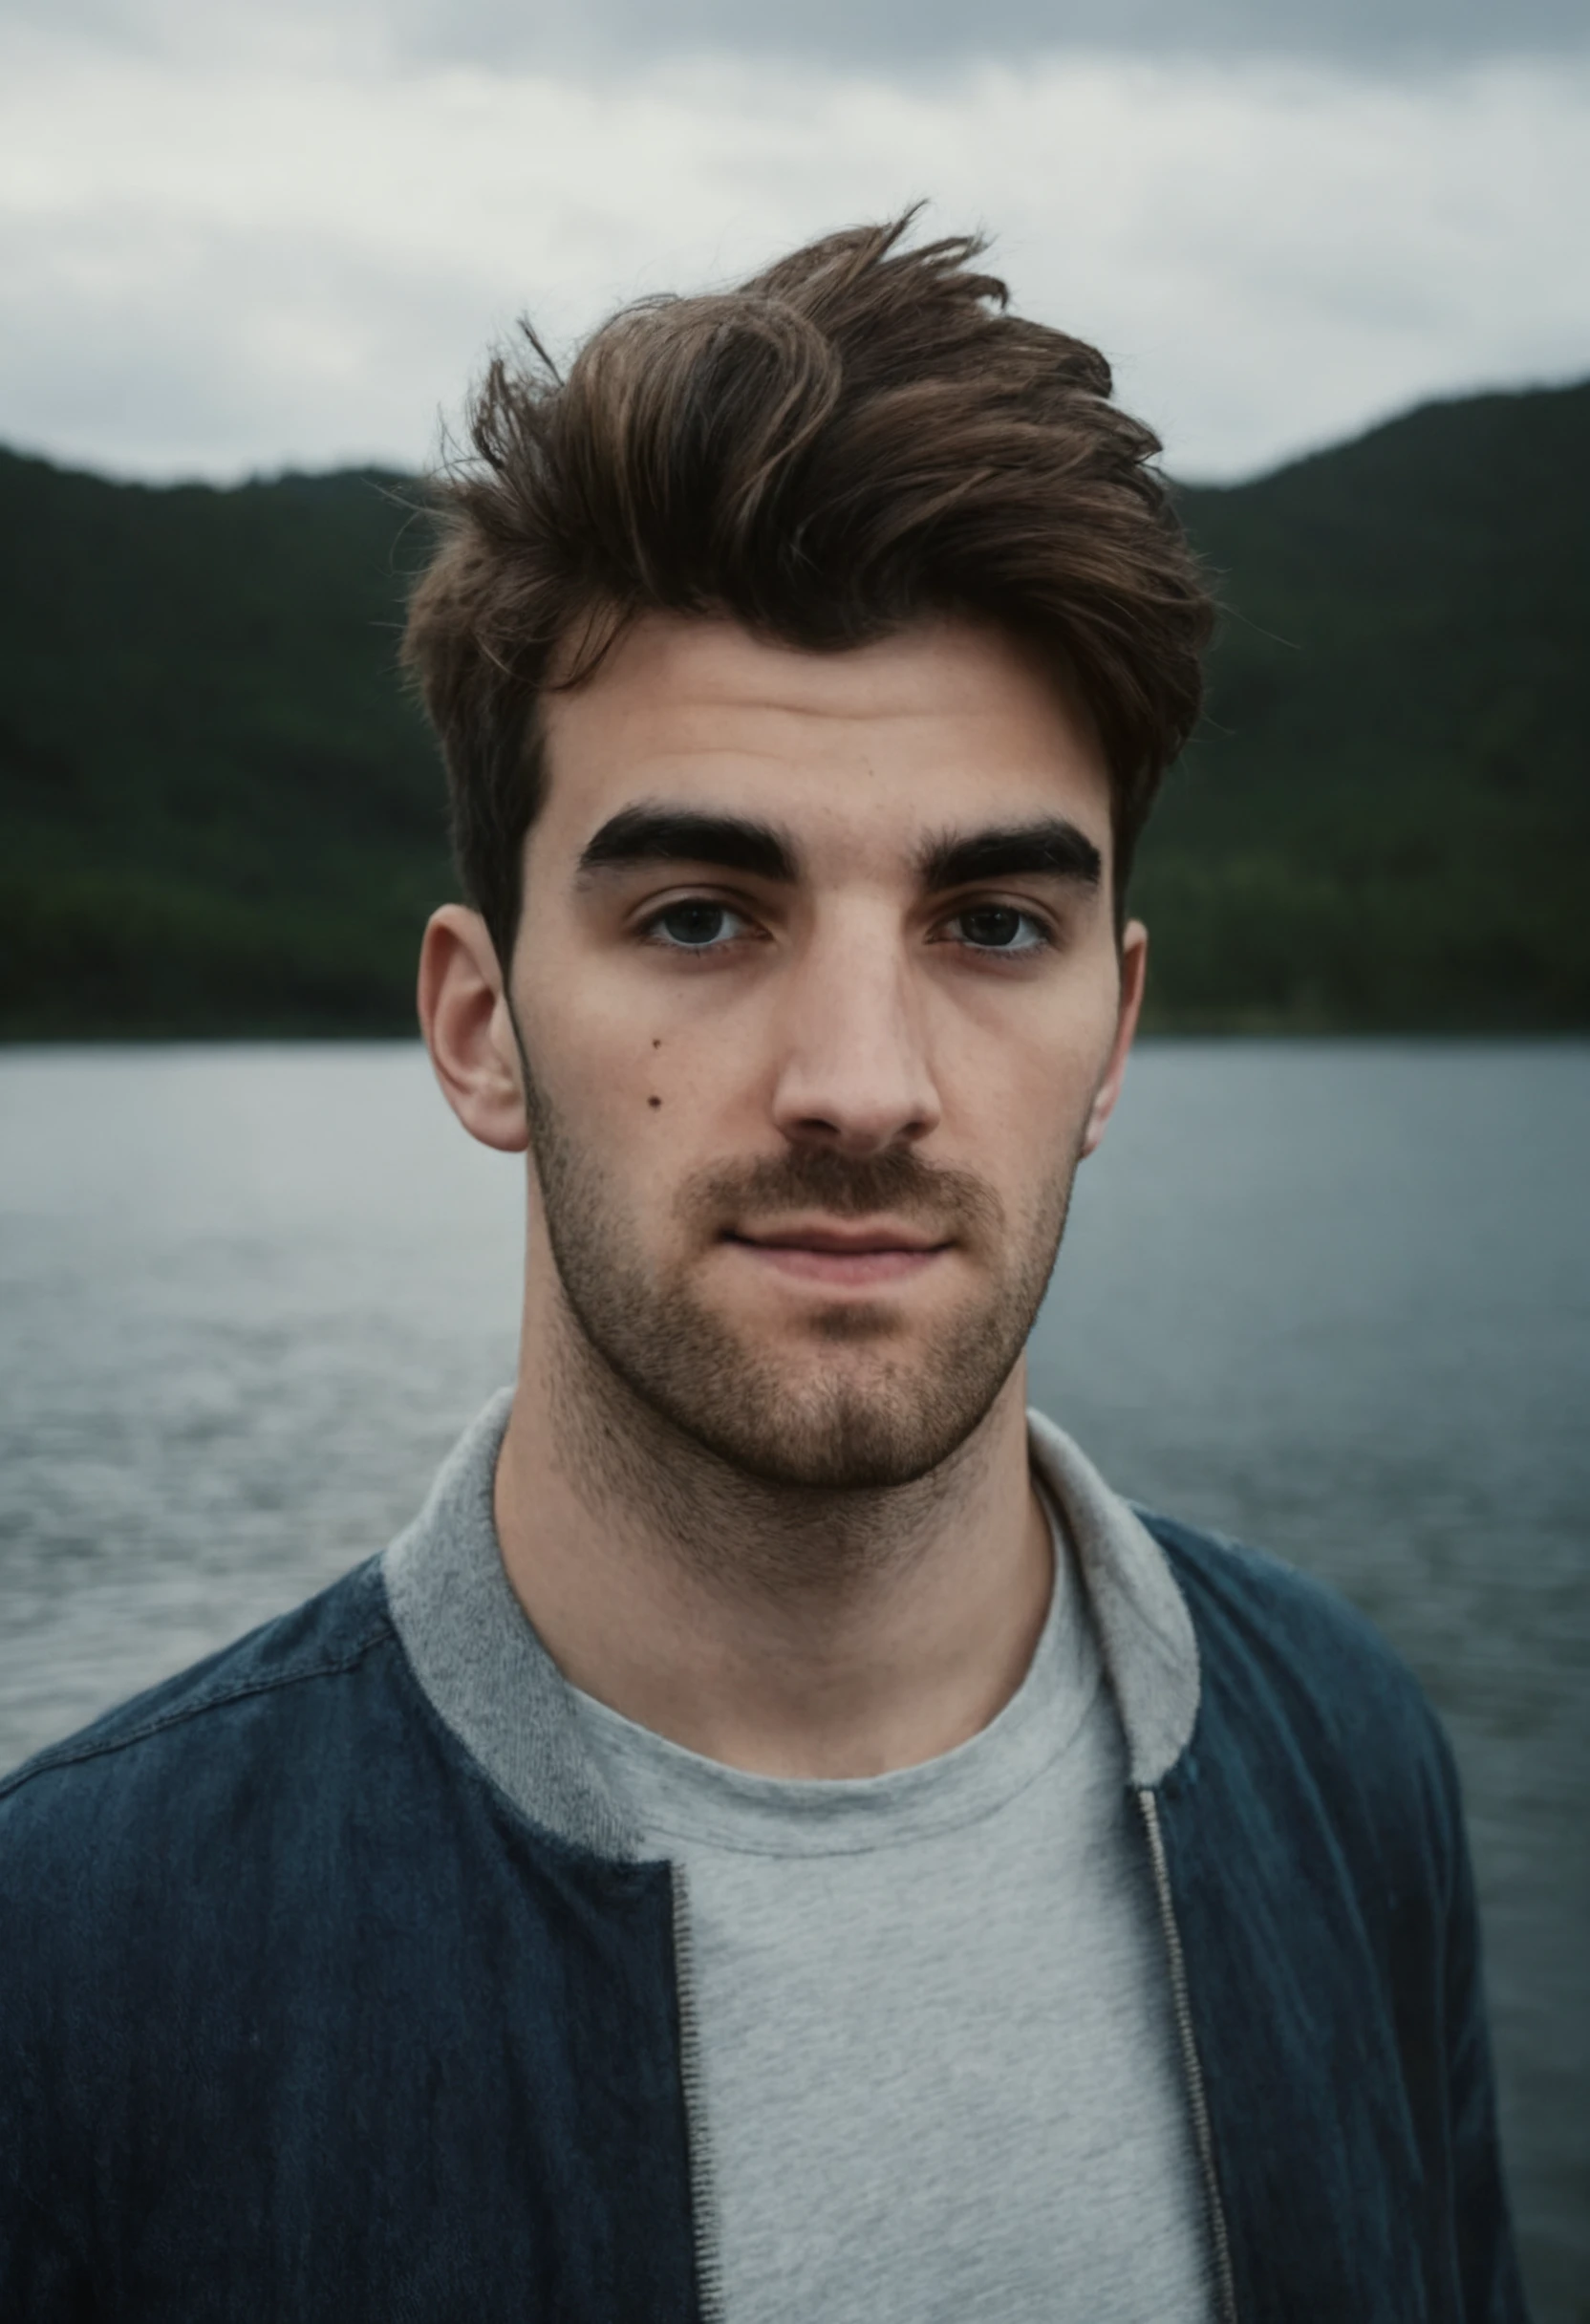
244,263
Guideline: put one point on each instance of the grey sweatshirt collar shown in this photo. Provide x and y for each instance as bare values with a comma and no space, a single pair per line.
490,1679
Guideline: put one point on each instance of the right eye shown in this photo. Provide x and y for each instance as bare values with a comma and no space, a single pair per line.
696,924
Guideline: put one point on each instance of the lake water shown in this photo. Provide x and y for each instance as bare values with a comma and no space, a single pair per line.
1334,1297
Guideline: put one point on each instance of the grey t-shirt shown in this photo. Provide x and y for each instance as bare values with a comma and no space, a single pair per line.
939,2056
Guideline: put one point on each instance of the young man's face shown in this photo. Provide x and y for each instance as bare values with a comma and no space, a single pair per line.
821,1003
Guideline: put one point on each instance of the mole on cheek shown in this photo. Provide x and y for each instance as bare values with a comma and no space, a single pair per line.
654,1101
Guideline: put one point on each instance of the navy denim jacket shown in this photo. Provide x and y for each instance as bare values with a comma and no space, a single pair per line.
330,1988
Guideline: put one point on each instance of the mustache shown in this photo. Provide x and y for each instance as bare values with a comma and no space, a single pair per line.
847,1186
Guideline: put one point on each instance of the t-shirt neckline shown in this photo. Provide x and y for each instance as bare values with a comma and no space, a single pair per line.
680,1795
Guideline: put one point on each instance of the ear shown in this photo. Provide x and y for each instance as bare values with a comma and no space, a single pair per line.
1134,972
464,1015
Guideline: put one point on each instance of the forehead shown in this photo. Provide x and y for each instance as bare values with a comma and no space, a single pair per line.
949,723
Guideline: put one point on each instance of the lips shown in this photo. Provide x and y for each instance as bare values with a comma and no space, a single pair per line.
852,1254
846,1239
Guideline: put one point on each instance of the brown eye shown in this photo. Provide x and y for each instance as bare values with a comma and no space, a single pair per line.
695,924
999,927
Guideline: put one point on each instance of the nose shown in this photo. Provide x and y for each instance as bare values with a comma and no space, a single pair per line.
853,1070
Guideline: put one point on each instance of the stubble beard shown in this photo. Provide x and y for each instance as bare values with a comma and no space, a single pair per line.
648,1378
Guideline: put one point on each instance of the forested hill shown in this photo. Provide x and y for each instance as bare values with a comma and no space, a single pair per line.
218,813
1387,819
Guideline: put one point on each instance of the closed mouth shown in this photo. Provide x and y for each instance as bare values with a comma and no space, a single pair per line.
841,1255
842,1241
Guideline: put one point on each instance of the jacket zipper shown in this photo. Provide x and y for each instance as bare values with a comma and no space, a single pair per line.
703,2196
1225,2289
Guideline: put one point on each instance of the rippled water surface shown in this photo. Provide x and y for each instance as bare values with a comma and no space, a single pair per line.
1333,1297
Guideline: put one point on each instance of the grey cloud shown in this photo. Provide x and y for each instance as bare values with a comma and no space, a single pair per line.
221,253
896,34
900,36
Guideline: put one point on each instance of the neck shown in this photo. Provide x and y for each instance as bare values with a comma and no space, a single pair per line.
788,1632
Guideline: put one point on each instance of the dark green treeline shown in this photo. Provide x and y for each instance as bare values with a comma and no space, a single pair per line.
219,815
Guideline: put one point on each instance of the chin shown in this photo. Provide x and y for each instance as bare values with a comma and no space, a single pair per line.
834,1396
848,1430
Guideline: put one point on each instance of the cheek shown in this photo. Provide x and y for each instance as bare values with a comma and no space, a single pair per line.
626,1048
650,1101
1023,1091
601,1062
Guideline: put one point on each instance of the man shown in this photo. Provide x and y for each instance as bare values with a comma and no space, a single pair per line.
778,1839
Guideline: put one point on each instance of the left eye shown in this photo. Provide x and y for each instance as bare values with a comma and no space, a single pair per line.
999,927
696,925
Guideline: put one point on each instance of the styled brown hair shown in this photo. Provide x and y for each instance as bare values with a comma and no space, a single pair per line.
856,437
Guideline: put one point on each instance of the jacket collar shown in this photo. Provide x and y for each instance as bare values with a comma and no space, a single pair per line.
491,1681
1144,1629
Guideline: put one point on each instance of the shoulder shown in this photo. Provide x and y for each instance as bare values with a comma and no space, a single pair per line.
1301,1688
181,1852
1247,1603
194,1733
1245,1598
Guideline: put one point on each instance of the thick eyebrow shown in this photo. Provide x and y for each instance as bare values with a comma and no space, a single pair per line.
650,834
1051,847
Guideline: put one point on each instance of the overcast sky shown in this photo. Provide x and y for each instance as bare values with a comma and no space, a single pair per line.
233,241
